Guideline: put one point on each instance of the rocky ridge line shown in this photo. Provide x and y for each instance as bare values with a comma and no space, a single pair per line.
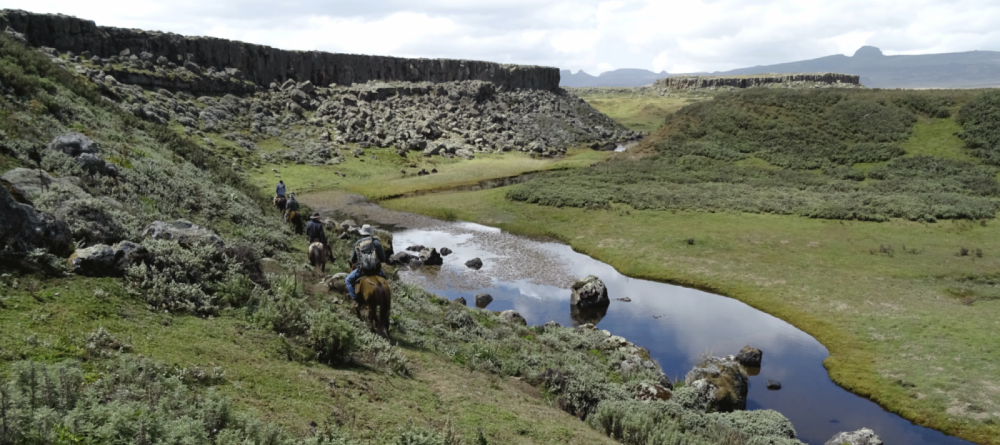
260,64
791,80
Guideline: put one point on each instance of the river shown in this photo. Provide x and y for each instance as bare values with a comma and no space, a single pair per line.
677,324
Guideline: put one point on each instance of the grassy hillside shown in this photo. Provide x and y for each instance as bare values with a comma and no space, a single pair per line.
229,341
639,109
865,218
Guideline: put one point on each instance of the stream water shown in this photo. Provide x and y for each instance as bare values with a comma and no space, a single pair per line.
676,324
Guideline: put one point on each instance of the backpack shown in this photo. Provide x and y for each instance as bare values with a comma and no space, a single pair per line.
367,255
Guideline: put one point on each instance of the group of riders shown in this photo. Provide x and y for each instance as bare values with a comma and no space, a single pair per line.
367,255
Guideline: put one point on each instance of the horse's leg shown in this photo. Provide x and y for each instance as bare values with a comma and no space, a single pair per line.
386,308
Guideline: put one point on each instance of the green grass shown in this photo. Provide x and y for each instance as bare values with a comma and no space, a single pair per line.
261,379
381,178
938,138
637,112
894,332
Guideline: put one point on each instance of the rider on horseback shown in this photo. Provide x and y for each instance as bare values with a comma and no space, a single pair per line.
291,206
367,258
315,232
280,189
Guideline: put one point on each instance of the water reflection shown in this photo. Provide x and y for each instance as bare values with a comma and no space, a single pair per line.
676,324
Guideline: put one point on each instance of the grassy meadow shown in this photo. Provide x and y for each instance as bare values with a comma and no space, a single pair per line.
639,110
908,303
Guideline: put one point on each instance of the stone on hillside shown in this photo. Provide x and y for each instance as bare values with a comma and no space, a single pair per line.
749,356
23,228
336,282
183,232
552,324
589,292
650,391
431,257
864,436
31,183
461,301
94,261
511,316
464,153
73,144
722,384
128,254
445,251
483,300
474,263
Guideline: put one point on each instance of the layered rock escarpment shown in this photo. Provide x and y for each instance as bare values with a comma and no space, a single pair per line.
258,64
751,81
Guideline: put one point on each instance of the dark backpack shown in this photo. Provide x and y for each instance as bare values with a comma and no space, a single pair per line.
367,256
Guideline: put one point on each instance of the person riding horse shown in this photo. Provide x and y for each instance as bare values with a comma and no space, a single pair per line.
367,257
279,190
316,233
292,214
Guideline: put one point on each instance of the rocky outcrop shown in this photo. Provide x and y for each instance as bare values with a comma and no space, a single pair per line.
751,81
511,316
589,292
85,152
749,356
183,232
721,383
31,183
483,300
864,436
259,64
22,228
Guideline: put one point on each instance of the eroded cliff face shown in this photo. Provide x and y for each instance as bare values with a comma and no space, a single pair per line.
260,64
751,81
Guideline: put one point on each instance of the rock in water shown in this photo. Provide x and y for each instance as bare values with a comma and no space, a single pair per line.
590,292
474,263
773,385
461,301
722,384
445,251
511,316
864,436
403,257
750,356
182,231
483,300
416,248
431,257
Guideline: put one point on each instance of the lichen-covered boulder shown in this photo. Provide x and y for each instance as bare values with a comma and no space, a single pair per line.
721,382
590,292
94,261
182,231
23,228
431,257
31,183
511,316
651,391
73,144
750,356
864,436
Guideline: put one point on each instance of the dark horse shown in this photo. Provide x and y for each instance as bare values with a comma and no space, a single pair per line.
374,293
279,203
295,219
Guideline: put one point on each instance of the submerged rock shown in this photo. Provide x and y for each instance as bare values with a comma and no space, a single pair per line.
749,356
590,292
474,263
445,251
431,257
773,385
864,436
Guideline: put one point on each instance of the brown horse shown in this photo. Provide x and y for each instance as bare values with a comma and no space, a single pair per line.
375,292
295,219
279,202
318,255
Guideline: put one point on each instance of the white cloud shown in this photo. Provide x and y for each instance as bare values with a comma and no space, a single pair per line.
593,35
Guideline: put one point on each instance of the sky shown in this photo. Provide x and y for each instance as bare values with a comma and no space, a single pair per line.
594,36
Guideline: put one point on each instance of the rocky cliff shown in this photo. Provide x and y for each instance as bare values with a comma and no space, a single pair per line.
751,81
260,64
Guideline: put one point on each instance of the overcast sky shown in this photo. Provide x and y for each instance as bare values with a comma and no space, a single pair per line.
595,36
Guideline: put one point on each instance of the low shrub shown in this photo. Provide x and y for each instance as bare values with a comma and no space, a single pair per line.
333,339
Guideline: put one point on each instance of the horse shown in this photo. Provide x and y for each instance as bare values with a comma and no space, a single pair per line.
279,202
318,255
375,292
295,219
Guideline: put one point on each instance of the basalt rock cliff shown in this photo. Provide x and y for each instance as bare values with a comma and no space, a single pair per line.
259,64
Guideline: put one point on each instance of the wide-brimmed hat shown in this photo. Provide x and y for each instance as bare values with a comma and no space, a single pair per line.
315,215
365,230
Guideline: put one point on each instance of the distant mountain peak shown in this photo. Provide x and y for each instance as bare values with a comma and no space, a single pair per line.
867,52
